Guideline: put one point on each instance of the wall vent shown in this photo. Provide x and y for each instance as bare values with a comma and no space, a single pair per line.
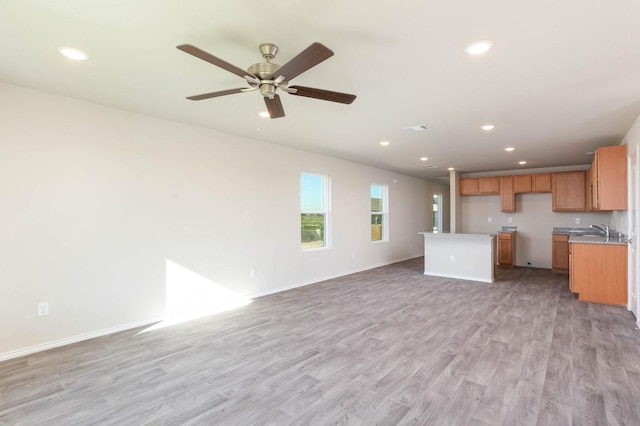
418,128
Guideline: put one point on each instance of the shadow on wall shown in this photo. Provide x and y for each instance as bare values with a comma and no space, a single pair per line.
190,296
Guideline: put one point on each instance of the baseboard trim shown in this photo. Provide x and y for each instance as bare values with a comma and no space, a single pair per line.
328,277
74,339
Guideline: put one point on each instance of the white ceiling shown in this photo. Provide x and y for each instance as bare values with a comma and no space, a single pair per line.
563,76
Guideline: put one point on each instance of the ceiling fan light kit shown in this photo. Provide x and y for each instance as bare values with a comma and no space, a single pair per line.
269,78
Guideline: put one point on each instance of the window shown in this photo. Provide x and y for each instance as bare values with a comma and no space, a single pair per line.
379,228
314,210
437,213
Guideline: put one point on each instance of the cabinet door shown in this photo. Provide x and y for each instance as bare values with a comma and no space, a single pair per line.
599,271
588,191
568,191
522,184
611,177
541,182
560,254
572,276
505,250
593,182
507,196
489,185
469,186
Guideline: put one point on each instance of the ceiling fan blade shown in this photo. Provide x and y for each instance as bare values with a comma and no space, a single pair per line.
325,95
199,53
216,94
274,107
309,57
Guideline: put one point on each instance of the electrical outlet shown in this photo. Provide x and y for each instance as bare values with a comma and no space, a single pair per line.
252,273
43,309
452,258
354,255
489,219
510,220
577,221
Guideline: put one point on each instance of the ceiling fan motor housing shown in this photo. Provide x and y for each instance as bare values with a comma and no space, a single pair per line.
263,70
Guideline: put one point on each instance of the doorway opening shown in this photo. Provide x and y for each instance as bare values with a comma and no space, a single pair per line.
437,213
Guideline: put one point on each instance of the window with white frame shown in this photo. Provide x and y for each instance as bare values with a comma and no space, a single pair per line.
379,213
314,210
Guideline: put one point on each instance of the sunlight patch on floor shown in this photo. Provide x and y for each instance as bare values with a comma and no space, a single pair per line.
190,296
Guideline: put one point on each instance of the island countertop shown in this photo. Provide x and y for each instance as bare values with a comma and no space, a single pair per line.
447,234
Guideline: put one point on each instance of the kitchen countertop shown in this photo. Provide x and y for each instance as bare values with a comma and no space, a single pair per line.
576,231
590,236
597,239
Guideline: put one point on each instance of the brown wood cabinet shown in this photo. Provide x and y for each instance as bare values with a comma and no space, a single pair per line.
489,185
598,272
541,182
507,196
506,249
522,184
568,191
560,254
589,190
469,186
608,183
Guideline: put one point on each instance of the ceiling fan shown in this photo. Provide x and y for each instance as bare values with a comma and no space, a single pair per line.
270,78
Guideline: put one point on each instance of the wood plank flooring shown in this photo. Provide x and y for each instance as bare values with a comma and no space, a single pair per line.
386,346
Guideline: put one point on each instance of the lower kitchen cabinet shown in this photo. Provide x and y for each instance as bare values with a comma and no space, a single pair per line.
598,272
560,254
507,249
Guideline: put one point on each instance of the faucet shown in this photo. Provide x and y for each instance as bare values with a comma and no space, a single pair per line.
606,230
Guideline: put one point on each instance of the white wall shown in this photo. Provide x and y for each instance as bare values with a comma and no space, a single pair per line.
95,201
534,219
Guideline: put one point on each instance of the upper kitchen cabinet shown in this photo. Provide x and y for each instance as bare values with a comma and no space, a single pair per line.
541,182
469,186
521,184
507,195
480,186
608,183
489,185
568,191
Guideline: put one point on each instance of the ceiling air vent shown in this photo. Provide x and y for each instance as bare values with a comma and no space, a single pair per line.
430,166
418,128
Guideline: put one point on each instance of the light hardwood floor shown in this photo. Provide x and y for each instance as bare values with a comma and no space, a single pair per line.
386,346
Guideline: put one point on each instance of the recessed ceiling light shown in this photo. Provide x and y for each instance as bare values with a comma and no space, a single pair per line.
487,127
384,143
479,47
75,54
451,169
418,128
264,114
522,162
509,149
424,158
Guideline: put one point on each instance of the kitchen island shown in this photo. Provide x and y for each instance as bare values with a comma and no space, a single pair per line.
464,256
